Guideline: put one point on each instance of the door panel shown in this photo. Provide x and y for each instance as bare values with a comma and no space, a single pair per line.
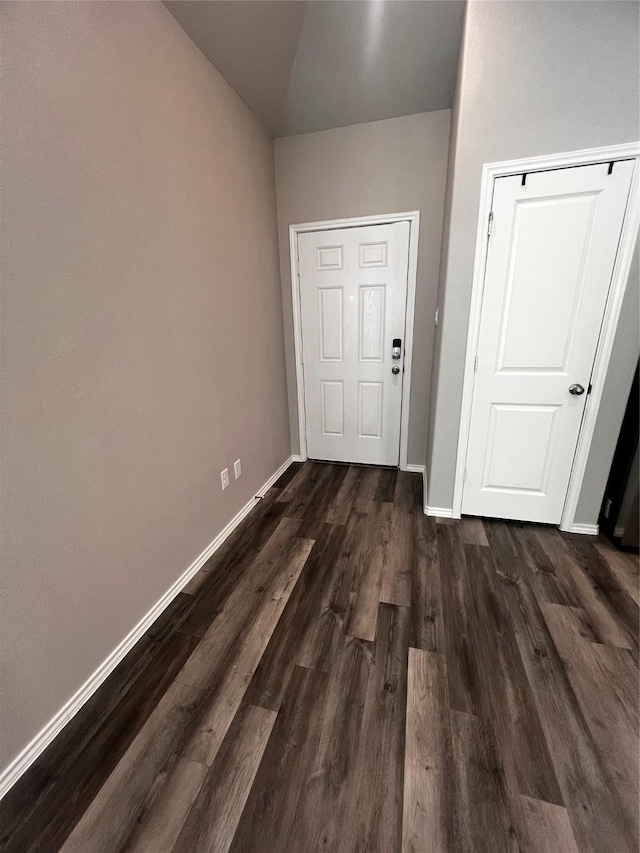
371,322
550,240
370,409
332,408
528,472
353,287
330,320
551,255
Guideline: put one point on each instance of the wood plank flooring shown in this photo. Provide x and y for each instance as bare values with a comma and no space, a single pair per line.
346,674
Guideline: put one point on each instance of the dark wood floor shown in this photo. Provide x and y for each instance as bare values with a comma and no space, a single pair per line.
346,674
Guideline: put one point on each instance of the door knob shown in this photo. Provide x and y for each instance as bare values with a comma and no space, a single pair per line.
395,370
576,390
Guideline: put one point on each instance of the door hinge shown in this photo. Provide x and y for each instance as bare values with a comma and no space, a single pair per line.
298,265
475,364
436,317
490,225
464,476
589,388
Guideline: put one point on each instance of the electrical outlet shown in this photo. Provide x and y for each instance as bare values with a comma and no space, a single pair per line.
224,476
237,468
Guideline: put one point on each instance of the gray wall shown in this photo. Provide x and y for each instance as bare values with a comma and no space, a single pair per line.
535,78
142,346
382,167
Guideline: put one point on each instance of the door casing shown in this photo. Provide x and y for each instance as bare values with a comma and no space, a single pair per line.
413,218
620,277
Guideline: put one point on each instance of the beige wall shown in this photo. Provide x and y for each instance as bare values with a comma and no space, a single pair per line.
142,331
534,78
381,167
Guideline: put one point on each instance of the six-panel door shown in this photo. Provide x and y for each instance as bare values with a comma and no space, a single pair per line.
353,286
549,267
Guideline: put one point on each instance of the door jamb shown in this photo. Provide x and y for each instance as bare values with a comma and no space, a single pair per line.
413,218
619,279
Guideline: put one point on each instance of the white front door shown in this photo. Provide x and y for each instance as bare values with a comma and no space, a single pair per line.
353,293
549,266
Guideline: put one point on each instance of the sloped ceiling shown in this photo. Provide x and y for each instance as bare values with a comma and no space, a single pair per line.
305,66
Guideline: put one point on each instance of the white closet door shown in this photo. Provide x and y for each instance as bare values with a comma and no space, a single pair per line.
549,266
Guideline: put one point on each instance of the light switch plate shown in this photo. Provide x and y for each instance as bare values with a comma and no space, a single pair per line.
237,468
224,477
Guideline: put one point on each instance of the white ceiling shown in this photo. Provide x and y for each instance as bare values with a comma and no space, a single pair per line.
305,66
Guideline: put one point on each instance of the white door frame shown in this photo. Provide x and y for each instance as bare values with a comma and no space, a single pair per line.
413,218
491,171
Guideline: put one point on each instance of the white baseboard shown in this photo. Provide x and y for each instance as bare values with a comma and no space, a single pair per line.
265,488
297,458
588,529
41,741
420,469
416,469
440,511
